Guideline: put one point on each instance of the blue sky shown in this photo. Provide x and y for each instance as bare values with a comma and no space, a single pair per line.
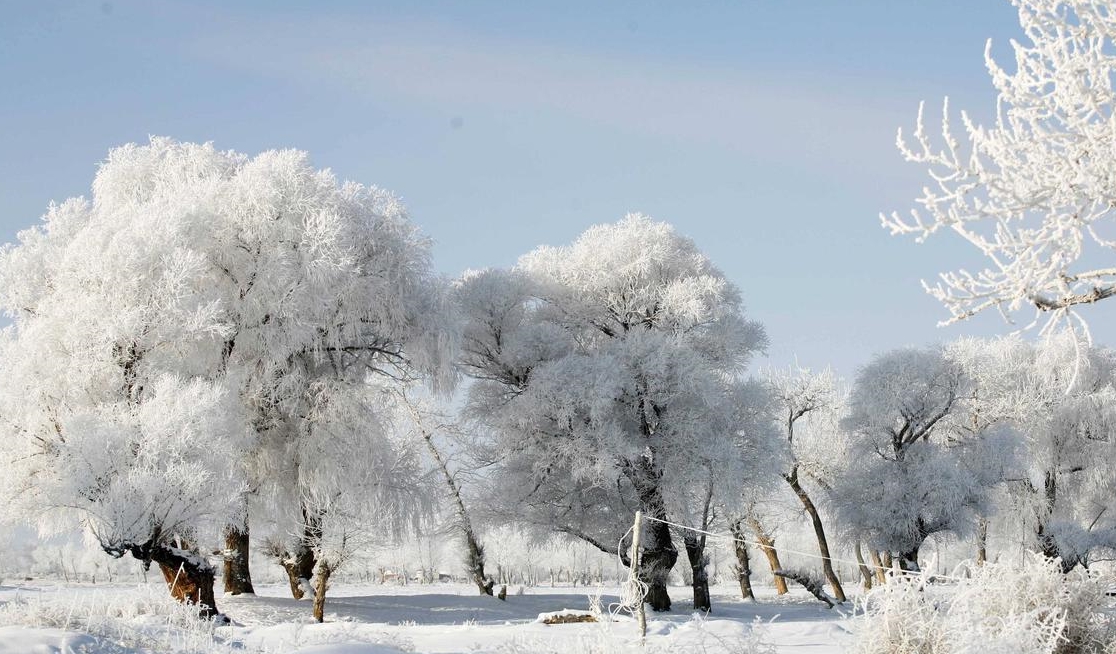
763,130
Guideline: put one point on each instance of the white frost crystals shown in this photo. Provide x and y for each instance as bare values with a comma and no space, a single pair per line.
1035,192
205,327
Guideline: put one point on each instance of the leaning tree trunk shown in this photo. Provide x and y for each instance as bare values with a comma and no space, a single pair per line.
237,575
474,559
188,575
767,544
819,533
695,553
743,564
865,573
878,565
474,551
320,588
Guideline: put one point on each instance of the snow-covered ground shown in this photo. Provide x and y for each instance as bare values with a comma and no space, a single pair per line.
385,619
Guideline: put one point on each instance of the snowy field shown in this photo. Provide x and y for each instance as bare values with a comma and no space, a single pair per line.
384,619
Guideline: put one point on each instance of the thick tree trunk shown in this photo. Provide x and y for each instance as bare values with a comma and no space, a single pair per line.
237,576
819,533
299,565
188,575
658,554
320,588
865,573
908,560
300,568
656,561
743,564
695,553
767,544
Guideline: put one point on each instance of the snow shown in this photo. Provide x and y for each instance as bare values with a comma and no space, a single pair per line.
443,618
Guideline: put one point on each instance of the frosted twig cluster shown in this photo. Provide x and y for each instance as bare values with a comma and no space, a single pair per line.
1035,192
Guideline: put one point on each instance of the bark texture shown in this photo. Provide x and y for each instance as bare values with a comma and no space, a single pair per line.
819,534
236,574
695,553
767,544
743,564
320,588
189,577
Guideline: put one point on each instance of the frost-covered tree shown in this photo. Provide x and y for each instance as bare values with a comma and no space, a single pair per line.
607,367
807,405
429,423
904,482
1058,396
260,279
1033,192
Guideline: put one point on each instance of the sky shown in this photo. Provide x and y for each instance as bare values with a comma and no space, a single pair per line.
763,130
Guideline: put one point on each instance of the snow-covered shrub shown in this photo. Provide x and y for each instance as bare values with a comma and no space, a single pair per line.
1000,609
149,619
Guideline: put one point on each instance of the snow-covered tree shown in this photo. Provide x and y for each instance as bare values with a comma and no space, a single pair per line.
259,283
904,482
1058,398
807,406
1034,192
608,367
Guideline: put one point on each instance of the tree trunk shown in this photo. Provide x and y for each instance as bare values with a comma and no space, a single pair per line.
474,551
656,561
982,542
695,553
659,555
322,584
1050,495
819,533
767,544
743,564
237,576
908,560
475,562
299,565
188,575
300,568
865,573
881,570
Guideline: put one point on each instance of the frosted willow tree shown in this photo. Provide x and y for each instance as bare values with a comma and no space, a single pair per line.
1034,193
605,368
905,481
1059,396
260,279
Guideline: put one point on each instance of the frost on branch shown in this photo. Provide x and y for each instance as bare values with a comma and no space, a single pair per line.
214,313
1034,192
606,373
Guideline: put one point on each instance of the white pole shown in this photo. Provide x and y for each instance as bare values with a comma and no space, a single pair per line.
637,529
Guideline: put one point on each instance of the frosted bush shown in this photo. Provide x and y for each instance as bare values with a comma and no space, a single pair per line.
1001,609
148,619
